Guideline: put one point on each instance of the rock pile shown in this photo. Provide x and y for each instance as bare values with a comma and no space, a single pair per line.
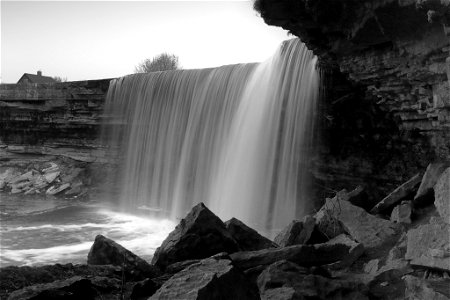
340,252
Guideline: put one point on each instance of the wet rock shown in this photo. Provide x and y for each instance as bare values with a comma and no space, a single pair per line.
296,233
397,195
367,229
303,255
105,251
442,195
355,250
144,289
53,190
247,238
208,279
425,193
199,235
402,213
417,288
73,288
429,246
296,283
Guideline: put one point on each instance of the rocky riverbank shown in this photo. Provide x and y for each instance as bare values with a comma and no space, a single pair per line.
398,249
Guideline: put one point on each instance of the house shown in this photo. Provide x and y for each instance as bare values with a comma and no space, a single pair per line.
35,78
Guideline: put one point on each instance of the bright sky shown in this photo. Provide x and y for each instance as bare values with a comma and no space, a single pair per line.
103,39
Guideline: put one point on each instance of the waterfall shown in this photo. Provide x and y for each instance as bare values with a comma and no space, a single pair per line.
235,137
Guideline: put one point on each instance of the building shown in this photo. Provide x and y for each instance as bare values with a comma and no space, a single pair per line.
35,78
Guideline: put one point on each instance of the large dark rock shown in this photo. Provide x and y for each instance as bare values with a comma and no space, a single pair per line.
73,288
247,238
296,233
209,279
105,251
400,193
293,282
200,234
442,195
425,193
354,252
431,289
303,255
144,289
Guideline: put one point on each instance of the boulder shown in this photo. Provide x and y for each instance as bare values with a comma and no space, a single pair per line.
53,190
397,195
73,288
293,282
429,245
296,233
327,224
355,250
371,231
442,195
425,193
105,251
209,279
199,235
50,177
247,238
303,255
402,213
388,285
418,288
142,290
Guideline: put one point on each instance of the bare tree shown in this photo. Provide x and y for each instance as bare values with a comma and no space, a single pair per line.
161,62
60,79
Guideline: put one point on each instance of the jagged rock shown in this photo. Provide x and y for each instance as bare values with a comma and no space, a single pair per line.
73,288
402,213
105,251
144,289
178,266
296,233
429,246
303,255
247,238
53,167
388,284
417,288
208,279
50,177
425,193
355,251
397,195
53,190
199,235
296,283
23,177
327,224
442,195
367,229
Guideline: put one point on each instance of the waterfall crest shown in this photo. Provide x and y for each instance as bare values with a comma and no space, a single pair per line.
235,137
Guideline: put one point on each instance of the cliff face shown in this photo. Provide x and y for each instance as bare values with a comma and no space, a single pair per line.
387,76
60,119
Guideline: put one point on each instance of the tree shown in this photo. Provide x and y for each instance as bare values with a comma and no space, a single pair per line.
60,79
161,62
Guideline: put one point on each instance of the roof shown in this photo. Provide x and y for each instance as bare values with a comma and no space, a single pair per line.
33,78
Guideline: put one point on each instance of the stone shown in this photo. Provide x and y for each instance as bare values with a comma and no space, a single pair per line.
209,279
442,195
247,238
354,252
199,235
303,255
397,195
359,197
105,251
388,284
178,266
50,177
142,290
402,213
53,167
327,224
53,190
26,176
371,231
418,288
73,288
425,193
296,233
298,284
425,241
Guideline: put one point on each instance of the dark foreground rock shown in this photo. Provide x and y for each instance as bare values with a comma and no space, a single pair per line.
425,193
286,280
296,233
144,289
200,234
209,279
442,195
247,238
434,289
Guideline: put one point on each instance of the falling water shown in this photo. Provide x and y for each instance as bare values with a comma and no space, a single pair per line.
235,137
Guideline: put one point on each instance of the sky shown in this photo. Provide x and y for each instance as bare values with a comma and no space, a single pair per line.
81,40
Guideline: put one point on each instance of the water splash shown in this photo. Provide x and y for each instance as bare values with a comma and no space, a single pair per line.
235,137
